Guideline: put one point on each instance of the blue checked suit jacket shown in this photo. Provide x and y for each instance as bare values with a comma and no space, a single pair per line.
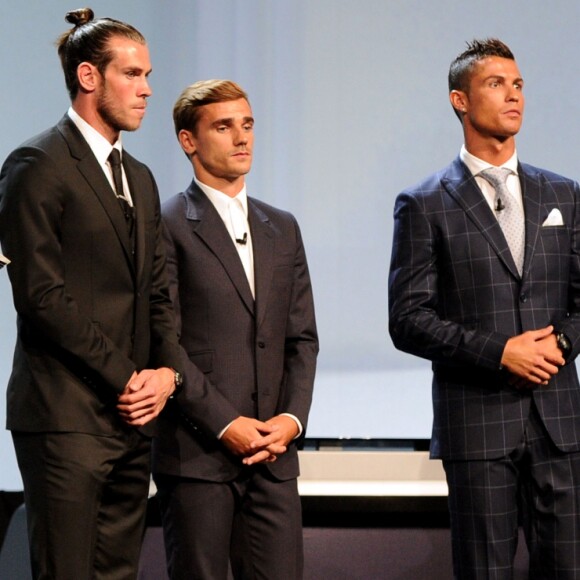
455,297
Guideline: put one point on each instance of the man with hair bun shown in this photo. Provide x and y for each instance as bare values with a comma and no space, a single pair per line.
485,283
96,355
225,460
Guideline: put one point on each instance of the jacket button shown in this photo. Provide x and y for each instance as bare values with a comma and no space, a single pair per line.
523,298
261,345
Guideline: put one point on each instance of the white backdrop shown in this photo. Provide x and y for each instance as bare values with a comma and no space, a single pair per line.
350,98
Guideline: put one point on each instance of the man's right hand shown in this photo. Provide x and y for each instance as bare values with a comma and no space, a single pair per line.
244,431
533,356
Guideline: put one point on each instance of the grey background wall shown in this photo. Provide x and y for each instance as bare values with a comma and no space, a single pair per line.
350,98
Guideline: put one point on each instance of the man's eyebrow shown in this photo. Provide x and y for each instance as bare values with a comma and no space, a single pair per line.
519,80
230,121
138,70
223,121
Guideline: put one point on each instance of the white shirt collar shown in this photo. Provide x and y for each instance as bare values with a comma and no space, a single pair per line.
220,200
98,144
477,165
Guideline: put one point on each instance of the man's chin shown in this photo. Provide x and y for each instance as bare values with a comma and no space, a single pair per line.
129,127
505,136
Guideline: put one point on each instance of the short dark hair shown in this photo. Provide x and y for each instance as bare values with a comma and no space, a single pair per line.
461,68
186,110
88,42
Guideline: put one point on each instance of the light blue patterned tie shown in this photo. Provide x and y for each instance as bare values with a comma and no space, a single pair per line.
508,212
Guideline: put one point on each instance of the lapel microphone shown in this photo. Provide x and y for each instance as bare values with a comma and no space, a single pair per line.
499,206
243,241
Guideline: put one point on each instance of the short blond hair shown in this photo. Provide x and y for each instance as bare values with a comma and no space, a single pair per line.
186,109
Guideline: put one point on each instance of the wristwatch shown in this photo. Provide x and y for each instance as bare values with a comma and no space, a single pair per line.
564,344
177,381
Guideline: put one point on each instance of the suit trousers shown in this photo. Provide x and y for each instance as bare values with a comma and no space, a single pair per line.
86,500
537,485
255,522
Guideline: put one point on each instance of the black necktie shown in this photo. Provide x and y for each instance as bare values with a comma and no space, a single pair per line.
115,161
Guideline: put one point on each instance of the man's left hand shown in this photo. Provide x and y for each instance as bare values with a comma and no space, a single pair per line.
269,447
145,395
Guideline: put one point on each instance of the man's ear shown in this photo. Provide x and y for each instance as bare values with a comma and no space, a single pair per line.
87,75
187,142
459,101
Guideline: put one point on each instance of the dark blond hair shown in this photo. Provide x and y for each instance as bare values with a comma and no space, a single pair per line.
88,41
186,109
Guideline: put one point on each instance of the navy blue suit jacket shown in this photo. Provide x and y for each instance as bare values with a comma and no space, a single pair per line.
455,298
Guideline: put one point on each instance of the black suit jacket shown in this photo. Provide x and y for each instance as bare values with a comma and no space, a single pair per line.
455,298
242,357
89,312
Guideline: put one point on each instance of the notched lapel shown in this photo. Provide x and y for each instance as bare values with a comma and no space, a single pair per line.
139,208
96,180
264,244
208,225
461,185
532,196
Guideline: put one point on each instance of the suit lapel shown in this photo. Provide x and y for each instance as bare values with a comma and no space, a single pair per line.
208,225
531,192
264,244
97,181
461,185
135,188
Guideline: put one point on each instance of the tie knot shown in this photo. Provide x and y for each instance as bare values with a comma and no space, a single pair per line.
115,158
496,176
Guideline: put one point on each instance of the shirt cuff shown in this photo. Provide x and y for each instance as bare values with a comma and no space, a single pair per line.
221,433
300,428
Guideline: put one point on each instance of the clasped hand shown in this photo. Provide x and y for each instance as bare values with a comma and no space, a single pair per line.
260,441
145,395
533,357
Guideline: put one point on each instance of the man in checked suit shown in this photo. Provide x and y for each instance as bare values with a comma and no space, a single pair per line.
502,334
225,461
96,344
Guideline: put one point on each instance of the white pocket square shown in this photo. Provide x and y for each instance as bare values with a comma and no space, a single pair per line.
554,218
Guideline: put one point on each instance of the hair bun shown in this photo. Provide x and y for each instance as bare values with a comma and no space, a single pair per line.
80,16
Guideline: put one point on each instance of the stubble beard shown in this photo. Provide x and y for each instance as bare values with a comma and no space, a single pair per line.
112,115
